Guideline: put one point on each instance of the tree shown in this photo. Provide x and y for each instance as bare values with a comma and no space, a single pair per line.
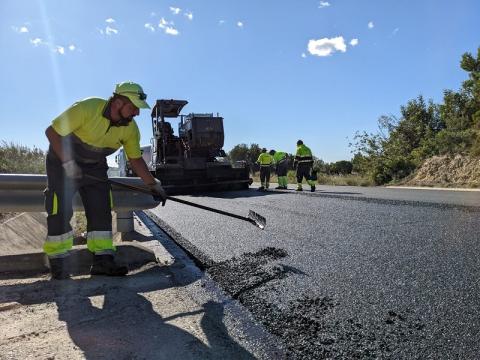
239,152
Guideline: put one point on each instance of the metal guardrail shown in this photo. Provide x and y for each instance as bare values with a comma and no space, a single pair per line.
24,193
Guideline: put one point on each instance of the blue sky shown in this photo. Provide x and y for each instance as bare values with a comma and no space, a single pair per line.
277,71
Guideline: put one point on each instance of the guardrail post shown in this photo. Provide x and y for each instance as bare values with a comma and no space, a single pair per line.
125,221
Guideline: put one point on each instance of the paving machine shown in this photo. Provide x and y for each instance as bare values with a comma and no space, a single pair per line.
194,159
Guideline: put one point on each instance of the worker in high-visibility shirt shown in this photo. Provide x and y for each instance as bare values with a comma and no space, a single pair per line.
281,168
265,161
80,139
304,162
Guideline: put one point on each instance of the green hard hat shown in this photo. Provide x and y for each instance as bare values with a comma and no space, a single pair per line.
134,92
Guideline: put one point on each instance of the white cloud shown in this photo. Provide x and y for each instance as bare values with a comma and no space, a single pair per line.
171,31
72,47
304,55
110,20
37,42
221,22
240,24
153,13
168,27
163,23
175,10
326,46
189,15
370,25
109,30
150,27
323,4
20,30
59,49
354,42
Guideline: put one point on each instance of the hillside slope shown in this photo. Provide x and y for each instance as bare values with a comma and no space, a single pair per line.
448,171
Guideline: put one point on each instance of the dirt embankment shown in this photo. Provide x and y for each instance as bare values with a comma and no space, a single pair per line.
448,171
22,232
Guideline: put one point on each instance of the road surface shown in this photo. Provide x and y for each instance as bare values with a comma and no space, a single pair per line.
346,272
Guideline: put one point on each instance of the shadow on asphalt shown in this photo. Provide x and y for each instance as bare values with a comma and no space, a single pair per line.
127,325
237,194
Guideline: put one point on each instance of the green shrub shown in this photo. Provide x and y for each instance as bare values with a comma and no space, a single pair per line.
19,159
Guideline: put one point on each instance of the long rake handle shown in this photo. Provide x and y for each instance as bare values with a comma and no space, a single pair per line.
211,209
145,191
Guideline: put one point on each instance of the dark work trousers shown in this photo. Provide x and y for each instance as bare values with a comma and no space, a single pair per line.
96,197
304,170
282,168
265,175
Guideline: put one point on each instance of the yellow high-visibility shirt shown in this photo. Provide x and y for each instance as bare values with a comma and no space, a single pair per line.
94,136
265,159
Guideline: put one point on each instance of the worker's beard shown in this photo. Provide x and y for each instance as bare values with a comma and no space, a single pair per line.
123,121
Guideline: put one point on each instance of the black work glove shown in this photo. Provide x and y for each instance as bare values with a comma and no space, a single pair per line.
158,192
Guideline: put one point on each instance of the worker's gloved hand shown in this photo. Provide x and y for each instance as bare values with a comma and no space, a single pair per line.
72,170
158,191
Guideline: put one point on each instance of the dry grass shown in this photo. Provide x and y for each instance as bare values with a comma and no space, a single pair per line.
323,179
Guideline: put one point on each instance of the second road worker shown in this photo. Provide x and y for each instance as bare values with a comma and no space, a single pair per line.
304,162
281,168
80,140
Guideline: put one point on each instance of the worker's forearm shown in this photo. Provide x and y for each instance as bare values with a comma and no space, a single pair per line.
56,142
140,168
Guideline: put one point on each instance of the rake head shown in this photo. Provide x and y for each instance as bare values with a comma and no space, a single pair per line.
257,219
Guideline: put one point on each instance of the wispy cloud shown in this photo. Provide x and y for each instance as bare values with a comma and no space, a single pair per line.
109,29
175,10
395,31
326,46
20,30
354,42
240,24
189,15
371,25
59,49
323,4
171,31
304,55
37,42
221,22
150,27
168,27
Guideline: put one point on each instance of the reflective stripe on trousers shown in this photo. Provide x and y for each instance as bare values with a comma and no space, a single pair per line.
58,245
100,242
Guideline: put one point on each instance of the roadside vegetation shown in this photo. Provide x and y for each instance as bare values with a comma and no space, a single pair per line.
20,159
423,130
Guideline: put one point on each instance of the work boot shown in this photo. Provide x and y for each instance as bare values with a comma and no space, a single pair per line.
106,265
59,268
279,187
312,188
261,188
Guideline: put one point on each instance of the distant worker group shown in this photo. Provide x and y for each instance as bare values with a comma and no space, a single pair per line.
302,163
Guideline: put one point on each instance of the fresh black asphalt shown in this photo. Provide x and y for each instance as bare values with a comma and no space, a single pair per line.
346,272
